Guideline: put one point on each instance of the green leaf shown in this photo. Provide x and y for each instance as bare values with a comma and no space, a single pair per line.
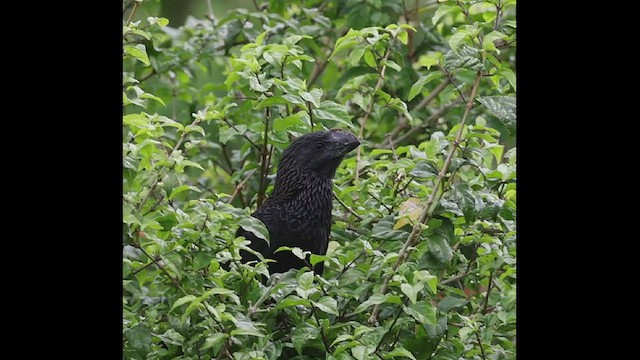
411,291
255,226
439,248
417,87
314,259
214,340
272,100
370,59
450,302
305,280
356,55
291,301
302,335
403,36
202,260
182,188
246,327
293,39
375,299
422,311
139,52
152,97
330,110
342,338
398,352
191,127
429,60
327,304
137,120
392,64
192,164
443,10
312,96
289,121
466,57
509,75
362,352
182,300
139,337
225,133
467,31
503,107
487,41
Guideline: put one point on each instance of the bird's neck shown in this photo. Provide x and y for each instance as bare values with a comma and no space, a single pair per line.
300,184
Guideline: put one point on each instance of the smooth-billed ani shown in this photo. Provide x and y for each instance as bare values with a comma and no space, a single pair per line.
298,212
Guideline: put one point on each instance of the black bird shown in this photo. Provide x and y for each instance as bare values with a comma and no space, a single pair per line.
298,212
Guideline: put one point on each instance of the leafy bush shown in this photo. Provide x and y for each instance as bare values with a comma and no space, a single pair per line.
421,262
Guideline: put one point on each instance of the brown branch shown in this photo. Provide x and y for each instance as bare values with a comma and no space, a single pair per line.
315,73
239,187
498,11
427,100
383,69
429,207
133,11
421,127
454,278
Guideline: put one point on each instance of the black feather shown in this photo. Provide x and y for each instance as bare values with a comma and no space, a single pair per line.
298,212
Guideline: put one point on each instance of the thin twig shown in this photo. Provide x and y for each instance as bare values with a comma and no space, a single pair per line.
243,134
160,175
309,110
400,311
453,82
264,163
383,69
348,266
347,207
421,127
454,278
498,11
486,298
325,341
241,185
481,349
210,10
427,100
427,212
393,149
133,11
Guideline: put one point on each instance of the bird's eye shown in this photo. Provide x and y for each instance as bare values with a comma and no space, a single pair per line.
319,145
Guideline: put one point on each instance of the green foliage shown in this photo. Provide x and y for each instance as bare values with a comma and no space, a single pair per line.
421,262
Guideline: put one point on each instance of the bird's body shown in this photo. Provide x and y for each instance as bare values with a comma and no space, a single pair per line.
298,212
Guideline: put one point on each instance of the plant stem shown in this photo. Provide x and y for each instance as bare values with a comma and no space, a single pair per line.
133,11
429,207
383,69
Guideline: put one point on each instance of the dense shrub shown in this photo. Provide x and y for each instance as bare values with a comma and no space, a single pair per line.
421,262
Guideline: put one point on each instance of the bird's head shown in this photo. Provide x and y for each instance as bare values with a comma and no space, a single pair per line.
318,152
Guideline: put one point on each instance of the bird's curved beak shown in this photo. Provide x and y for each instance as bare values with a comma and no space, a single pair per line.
346,140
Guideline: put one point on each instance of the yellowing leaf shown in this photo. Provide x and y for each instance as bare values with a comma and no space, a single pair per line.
409,211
